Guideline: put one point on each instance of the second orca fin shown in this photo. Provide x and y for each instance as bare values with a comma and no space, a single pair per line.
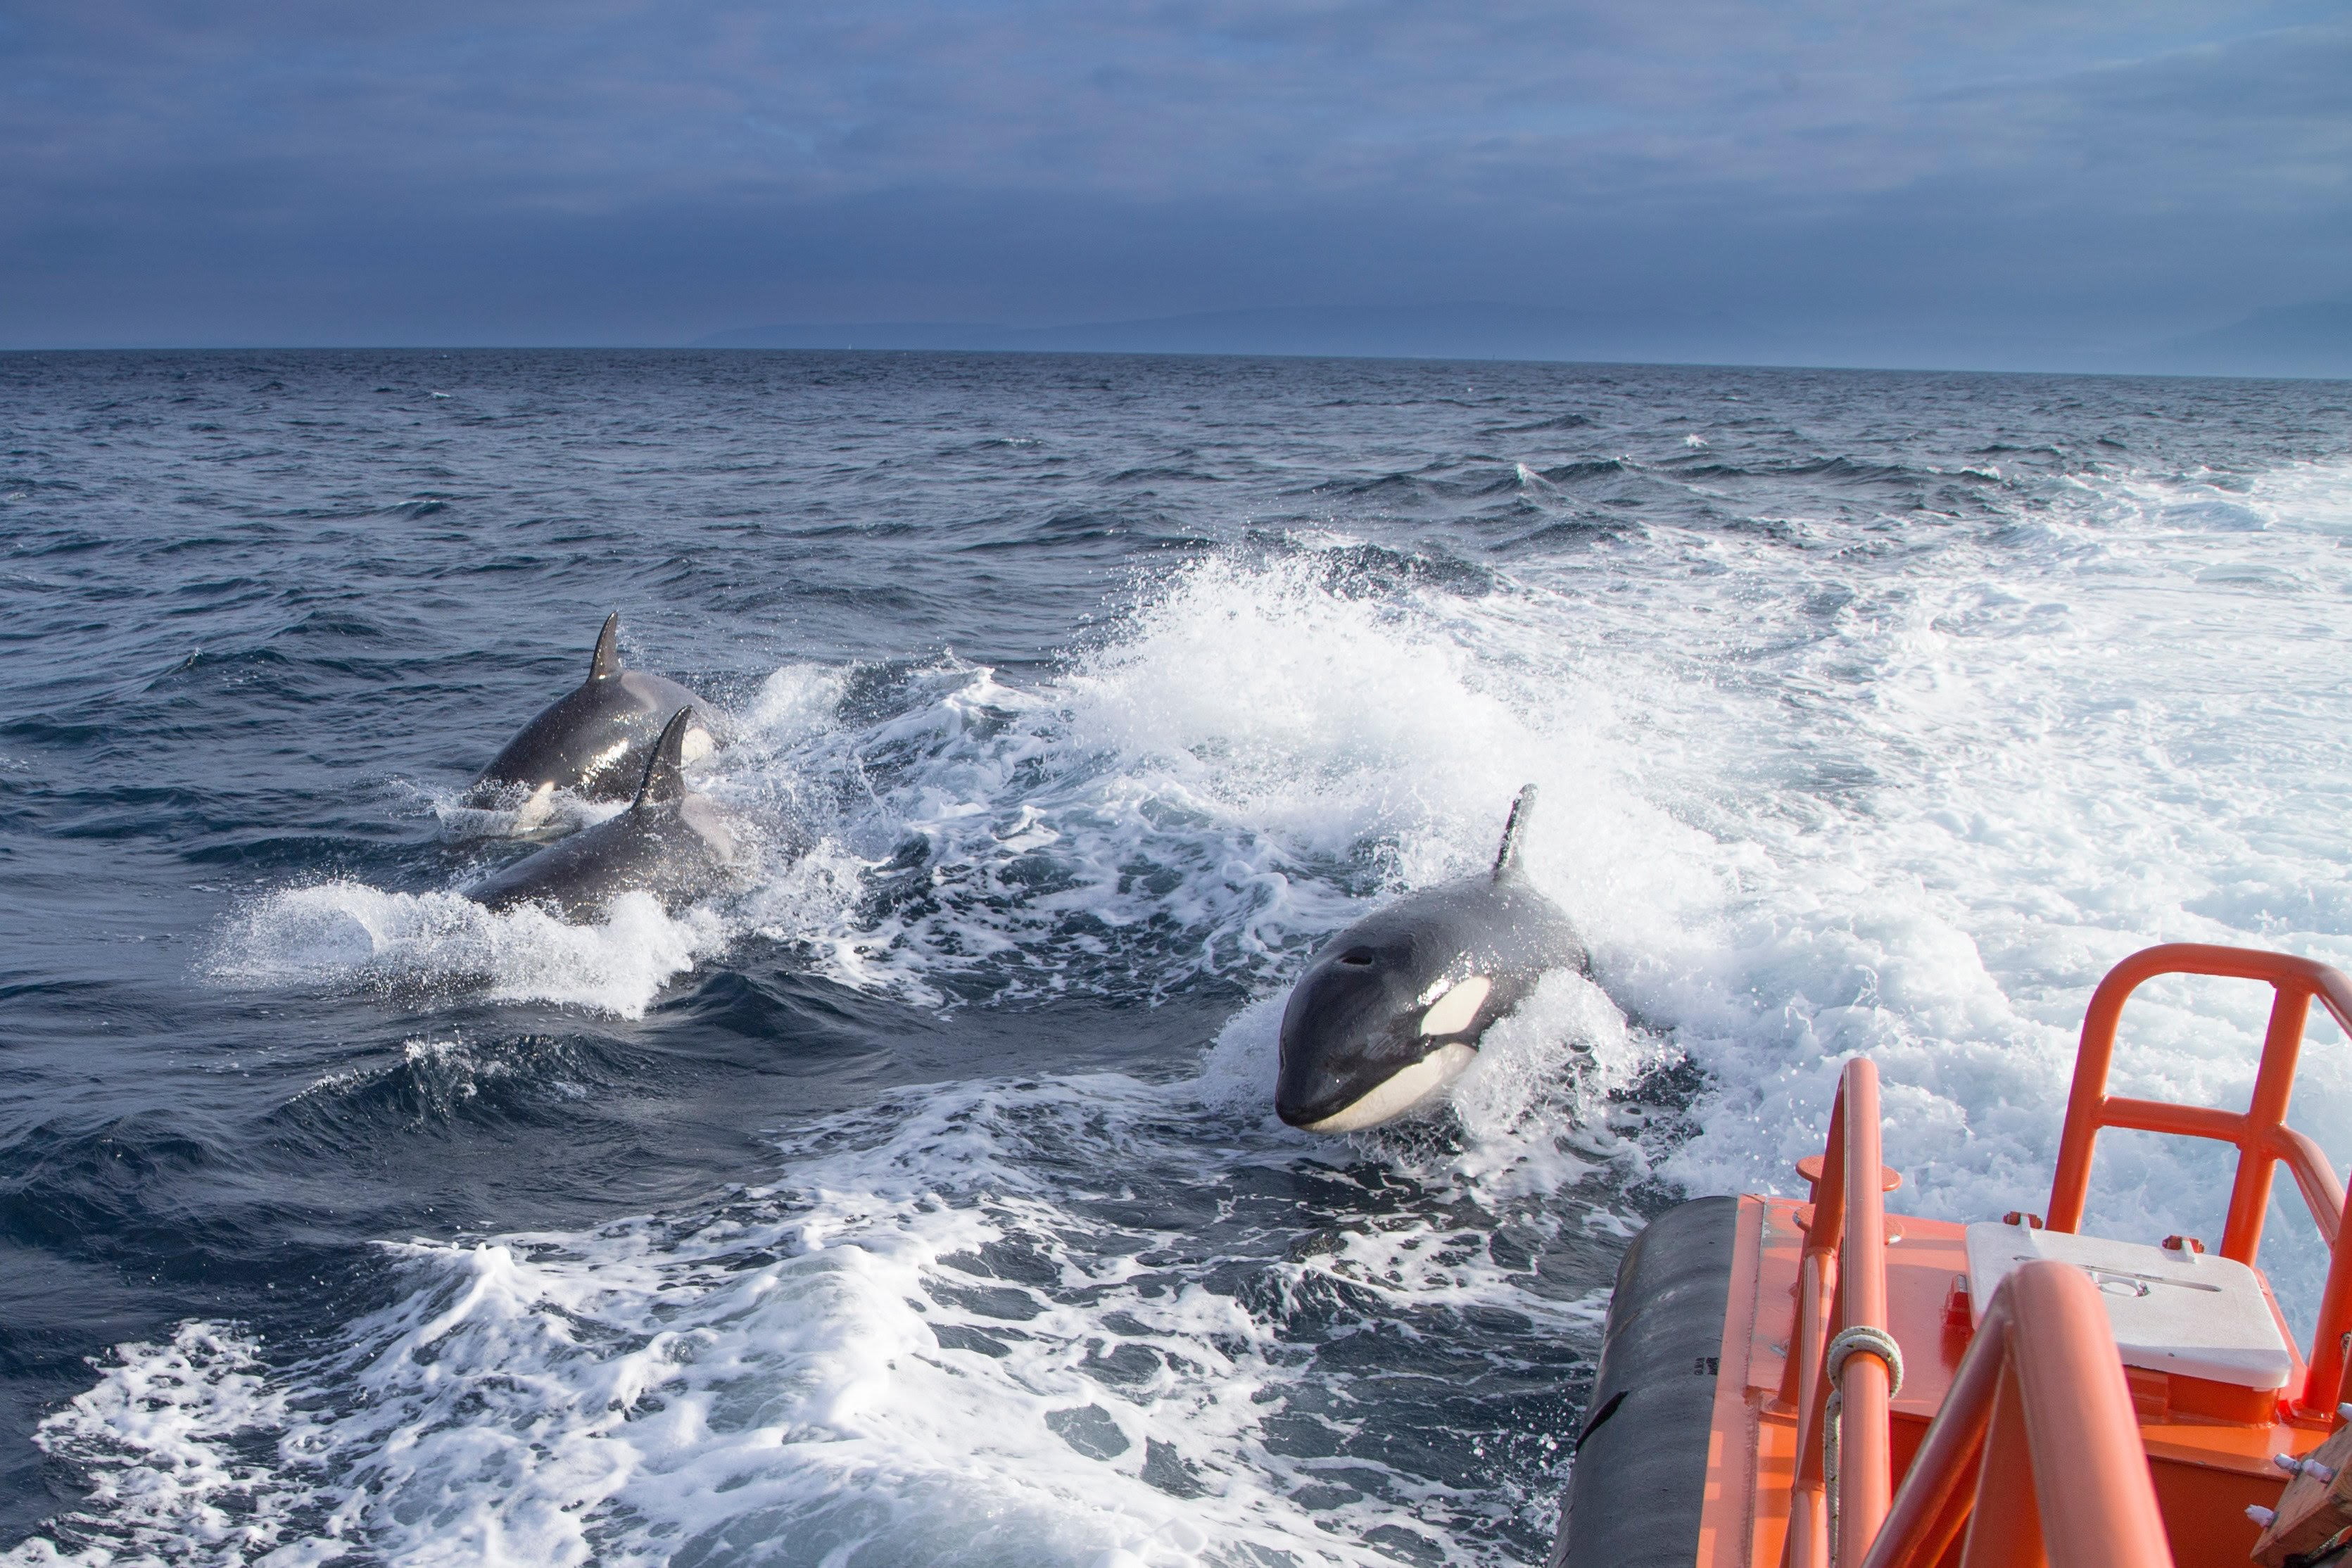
666,770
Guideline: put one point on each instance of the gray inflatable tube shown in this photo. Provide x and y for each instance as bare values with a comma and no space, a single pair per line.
1639,1476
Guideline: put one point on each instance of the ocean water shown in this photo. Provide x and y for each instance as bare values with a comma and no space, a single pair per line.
918,1197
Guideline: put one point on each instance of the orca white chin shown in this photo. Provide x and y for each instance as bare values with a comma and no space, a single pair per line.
1400,1090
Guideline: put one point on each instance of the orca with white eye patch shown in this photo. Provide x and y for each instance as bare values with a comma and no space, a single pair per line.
1392,1009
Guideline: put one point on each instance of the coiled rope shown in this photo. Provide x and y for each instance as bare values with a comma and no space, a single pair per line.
1859,1340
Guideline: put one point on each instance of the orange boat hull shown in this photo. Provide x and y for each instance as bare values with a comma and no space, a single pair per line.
2207,1468
2106,1404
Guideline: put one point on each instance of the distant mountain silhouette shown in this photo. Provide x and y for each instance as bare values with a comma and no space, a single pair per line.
1468,330
2311,339
859,335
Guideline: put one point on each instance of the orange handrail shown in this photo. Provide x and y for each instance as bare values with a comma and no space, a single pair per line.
2040,1409
1846,1252
2263,1138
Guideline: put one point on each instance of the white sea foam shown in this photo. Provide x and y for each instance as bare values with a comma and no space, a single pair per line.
1952,792
339,932
953,1337
349,933
1905,790
167,1452
1803,803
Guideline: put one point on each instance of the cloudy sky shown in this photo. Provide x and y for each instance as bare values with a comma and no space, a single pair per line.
235,172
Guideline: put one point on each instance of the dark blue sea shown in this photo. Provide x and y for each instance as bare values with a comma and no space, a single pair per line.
918,1197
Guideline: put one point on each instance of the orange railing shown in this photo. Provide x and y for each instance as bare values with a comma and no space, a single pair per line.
2040,1409
2263,1138
2039,1406
1841,1288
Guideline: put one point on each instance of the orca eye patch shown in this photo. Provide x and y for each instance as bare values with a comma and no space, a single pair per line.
1358,957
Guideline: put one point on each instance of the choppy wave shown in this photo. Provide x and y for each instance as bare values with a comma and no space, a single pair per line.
1872,714
1946,802
1267,743
1036,1322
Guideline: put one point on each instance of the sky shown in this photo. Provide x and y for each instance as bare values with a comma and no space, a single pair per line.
1927,182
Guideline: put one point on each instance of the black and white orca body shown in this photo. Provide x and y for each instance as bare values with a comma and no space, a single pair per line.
1392,1009
593,740
671,842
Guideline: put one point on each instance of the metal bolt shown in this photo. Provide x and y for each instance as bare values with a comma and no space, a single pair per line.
2312,1467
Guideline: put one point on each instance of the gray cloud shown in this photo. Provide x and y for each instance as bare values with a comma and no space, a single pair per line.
603,170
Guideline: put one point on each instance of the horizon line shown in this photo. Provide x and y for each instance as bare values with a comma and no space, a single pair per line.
707,348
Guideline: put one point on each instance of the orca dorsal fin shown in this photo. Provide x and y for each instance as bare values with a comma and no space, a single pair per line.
1507,858
604,664
665,769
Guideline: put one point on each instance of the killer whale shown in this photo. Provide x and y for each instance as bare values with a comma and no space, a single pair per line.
594,739
671,842
1392,1009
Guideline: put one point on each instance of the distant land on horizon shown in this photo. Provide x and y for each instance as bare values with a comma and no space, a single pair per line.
2308,339
2313,340
1479,330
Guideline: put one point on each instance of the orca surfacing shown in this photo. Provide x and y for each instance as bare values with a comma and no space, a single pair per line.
1392,1009
671,843
594,739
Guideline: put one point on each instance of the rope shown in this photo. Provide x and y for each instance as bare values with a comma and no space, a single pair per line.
1859,1340
1868,1340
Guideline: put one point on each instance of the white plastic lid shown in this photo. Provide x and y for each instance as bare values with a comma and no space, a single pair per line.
2171,1311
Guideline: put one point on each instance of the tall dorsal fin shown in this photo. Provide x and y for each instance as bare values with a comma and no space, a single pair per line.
605,662
1507,858
665,769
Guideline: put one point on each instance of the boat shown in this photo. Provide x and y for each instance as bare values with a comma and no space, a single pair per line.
1798,1383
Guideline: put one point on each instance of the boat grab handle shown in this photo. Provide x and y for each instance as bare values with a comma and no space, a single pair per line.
2264,1140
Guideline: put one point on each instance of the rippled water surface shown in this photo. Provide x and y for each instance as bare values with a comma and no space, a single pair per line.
918,1197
